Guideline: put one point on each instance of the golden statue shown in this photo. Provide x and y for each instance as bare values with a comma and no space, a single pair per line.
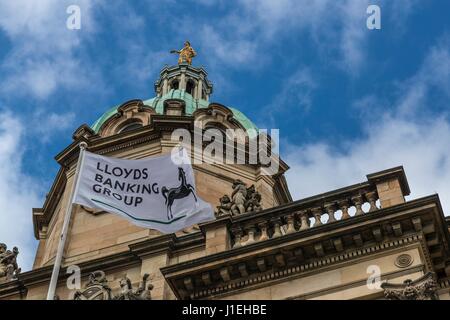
186,54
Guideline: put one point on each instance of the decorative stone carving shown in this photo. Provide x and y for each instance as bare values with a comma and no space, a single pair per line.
403,260
96,289
128,293
242,200
239,196
423,288
253,203
224,207
9,270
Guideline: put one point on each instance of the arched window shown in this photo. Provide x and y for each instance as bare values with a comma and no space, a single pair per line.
190,86
174,85
130,127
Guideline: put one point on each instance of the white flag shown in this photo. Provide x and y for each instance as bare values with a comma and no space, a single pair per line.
157,193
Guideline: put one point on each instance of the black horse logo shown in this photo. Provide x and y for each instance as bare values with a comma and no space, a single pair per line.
180,192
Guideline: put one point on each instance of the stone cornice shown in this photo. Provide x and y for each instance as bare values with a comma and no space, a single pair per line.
282,190
284,247
319,265
377,295
164,243
51,201
12,288
42,275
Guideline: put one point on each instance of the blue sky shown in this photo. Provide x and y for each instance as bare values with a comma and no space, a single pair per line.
348,101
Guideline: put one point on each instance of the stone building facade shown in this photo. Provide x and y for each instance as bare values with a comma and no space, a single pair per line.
363,241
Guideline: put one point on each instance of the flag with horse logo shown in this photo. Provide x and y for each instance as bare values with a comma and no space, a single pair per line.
157,193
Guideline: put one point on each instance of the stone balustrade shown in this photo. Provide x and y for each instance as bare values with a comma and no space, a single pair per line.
303,215
381,190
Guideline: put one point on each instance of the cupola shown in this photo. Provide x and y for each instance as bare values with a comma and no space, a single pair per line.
184,77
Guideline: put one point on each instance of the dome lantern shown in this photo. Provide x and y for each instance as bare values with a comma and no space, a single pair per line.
184,77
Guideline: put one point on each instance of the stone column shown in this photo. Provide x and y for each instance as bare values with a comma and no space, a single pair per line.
165,86
199,89
182,81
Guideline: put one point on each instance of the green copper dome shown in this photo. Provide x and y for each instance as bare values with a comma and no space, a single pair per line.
192,104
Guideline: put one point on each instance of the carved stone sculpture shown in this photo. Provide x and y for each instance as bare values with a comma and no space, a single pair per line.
224,207
9,270
96,289
423,288
128,293
239,196
253,203
242,200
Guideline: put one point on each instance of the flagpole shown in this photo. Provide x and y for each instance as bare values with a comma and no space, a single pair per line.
65,227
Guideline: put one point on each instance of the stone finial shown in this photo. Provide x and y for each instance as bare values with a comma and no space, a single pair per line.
423,288
9,269
242,200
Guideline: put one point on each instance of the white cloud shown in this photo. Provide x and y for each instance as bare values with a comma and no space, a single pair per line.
434,74
237,51
422,148
25,16
42,55
418,141
338,29
18,192
295,96
40,60
51,124
143,64
354,34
